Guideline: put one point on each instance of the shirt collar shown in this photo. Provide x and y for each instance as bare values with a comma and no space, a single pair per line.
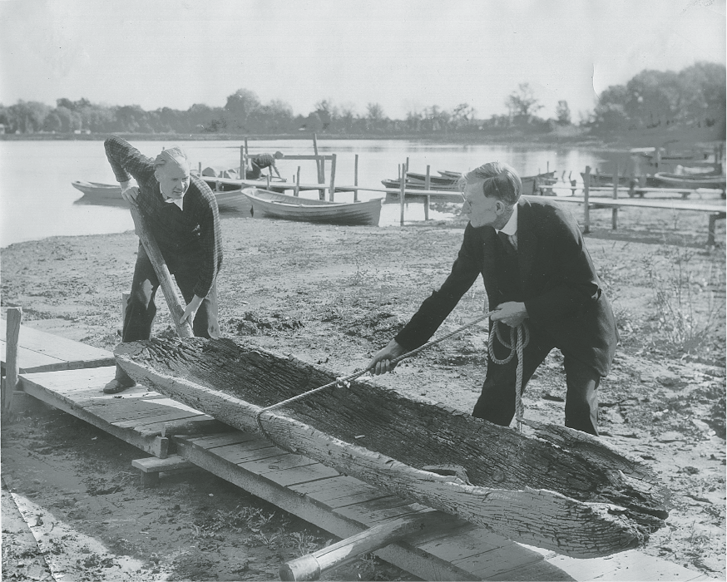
179,202
510,228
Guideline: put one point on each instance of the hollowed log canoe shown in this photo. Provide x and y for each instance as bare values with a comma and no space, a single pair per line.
549,486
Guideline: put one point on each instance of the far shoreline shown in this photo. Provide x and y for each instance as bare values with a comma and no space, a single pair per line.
672,138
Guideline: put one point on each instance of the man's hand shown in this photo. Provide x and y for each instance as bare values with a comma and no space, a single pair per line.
381,362
129,190
191,310
512,313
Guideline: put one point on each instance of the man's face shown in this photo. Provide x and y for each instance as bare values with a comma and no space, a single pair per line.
173,178
480,209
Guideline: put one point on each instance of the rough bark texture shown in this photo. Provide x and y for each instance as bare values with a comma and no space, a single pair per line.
559,489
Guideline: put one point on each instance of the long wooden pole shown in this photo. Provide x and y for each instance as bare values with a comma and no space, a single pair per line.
355,178
586,193
162,271
614,210
319,168
332,189
12,368
311,566
427,186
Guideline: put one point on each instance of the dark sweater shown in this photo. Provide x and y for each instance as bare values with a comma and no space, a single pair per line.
189,240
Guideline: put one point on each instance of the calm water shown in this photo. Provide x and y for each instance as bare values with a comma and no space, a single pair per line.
37,199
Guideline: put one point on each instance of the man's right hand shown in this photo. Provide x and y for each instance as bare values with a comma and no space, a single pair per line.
381,362
129,190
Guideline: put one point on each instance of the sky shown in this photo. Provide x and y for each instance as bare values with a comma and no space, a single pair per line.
405,55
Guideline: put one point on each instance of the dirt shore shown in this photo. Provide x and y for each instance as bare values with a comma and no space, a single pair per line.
335,295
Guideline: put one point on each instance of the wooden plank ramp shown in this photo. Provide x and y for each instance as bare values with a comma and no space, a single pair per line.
342,505
40,351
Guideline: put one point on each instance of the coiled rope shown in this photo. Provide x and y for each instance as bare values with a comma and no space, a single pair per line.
523,338
519,339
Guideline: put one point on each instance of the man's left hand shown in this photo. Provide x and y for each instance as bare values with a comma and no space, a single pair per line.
191,310
512,313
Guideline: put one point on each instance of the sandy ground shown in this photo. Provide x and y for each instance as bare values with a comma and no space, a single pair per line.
335,295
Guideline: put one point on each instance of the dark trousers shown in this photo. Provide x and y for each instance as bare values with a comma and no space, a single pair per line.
141,309
497,400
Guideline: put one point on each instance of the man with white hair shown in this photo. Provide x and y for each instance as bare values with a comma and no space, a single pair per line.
536,269
181,213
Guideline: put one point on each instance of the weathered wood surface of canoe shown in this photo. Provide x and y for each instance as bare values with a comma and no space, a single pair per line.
555,488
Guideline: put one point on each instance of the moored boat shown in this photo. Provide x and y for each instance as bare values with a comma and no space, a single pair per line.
693,181
97,190
275,205
231,200
556,488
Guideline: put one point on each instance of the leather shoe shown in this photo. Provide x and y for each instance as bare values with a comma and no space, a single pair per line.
118,385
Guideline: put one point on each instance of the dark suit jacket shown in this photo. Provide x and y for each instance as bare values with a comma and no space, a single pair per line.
560,288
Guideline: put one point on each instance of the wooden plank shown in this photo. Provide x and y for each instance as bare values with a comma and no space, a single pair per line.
155,465
39,350
33,384
209,442
289,477
663,204
465,544
404,556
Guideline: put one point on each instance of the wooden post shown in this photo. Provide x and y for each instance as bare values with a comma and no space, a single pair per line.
268,181
711,228
296,190
12,368
402,194
586,192
332,188
614,210
162,271
427,186
319,167
355,178
243,164
311,566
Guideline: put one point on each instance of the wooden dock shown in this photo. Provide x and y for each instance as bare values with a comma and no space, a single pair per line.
177,436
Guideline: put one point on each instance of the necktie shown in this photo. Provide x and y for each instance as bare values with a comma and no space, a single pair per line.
506,243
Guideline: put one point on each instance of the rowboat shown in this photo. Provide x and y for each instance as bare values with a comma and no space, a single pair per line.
275,205
97,190
669,180
557,488
231,200
532,185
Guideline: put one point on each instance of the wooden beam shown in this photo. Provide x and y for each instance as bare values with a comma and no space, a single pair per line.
162,271
311,566
586,193
14,315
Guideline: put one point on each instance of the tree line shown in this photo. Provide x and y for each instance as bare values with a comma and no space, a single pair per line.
694,96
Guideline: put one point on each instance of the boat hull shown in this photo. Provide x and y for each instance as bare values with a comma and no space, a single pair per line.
274,205
693,182
561,489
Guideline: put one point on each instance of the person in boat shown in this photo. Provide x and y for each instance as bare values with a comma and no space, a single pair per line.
538,273
182,215
259,162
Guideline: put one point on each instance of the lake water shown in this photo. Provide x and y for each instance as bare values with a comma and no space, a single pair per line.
38,201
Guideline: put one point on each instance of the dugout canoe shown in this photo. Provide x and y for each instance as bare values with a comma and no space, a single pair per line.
275,205
556,488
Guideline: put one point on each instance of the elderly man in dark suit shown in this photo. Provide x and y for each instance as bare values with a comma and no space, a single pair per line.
537,270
